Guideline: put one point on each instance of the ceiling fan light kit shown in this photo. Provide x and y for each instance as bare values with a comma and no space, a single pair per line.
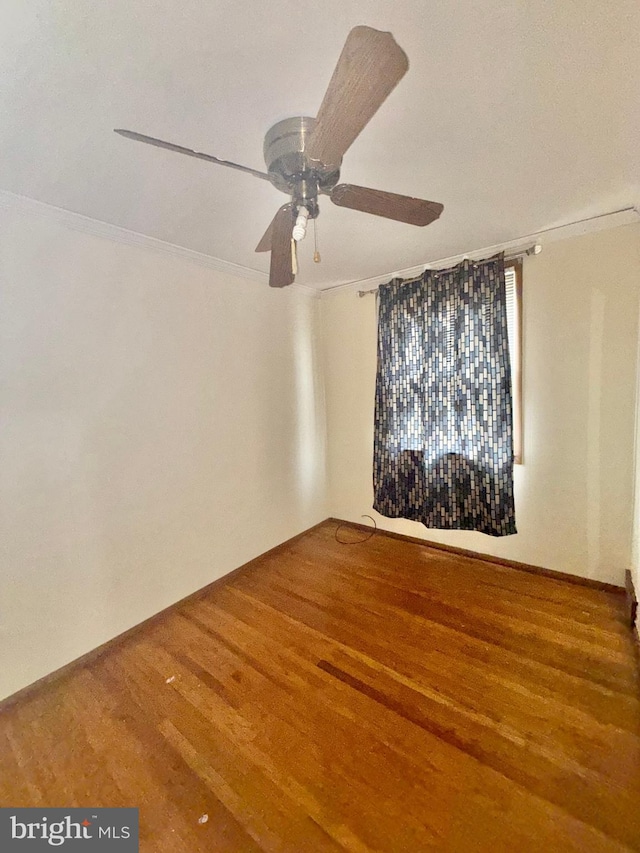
304,155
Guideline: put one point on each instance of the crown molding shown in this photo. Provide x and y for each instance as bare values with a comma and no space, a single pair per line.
613,219
306,290
86,225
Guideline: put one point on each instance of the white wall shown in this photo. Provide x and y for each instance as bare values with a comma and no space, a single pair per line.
161,424
574,491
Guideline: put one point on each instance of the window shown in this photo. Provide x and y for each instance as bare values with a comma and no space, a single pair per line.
513,282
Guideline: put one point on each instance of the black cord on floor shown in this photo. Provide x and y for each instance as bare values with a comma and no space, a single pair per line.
355,541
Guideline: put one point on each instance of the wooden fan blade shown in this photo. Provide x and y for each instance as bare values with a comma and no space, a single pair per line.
159,143
403,208
281,270
265,241
370,66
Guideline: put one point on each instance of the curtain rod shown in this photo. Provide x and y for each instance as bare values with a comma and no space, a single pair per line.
534,249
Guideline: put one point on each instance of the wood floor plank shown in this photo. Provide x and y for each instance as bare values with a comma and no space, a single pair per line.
444,756
382,696
439,656
505,702
225,758
486,738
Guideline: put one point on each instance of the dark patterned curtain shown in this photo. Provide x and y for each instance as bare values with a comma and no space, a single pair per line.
443,451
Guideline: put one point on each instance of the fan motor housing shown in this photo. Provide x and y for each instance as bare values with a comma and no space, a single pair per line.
288,166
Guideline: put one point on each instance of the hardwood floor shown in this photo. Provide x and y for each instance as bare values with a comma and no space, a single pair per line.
383,696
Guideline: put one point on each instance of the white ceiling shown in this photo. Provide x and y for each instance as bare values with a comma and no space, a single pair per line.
517,116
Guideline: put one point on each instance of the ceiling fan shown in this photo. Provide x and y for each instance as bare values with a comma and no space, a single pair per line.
303,155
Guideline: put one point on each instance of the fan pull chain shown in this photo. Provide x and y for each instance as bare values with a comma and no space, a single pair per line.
294,257
316,253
